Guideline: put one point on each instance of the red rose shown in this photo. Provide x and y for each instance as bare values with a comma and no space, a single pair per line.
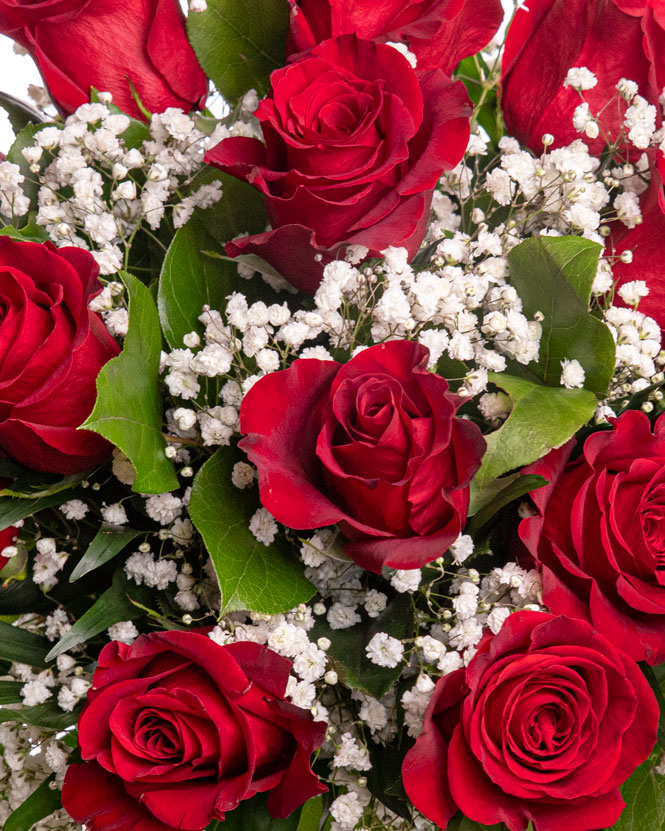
439,32
545,723
552,36
51,350
355,142
645,242
599,536
373,444
7,537
177,730
106,44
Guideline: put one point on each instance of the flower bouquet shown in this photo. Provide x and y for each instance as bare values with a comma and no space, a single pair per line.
332,417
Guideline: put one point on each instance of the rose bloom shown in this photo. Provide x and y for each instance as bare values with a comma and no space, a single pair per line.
178,730
7,537
355,141
439,32
548,37
545,723
51,350
373,444
107,44
599,536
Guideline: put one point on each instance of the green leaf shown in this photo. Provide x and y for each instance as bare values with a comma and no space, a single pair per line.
461,823
553,275
253,576
499,493
109,541
15,155
112,607
34,485
29,232
136,133
541,419
252,815
189,280
13,508
347,647
656,685
240,44
10,692
644,795
20,112
128,410
240,211
310,814
41,802
23,647
47,715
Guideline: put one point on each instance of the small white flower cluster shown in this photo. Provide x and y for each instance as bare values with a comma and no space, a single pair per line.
639,359
99,182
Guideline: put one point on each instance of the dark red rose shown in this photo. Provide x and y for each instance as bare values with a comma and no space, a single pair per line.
355,142
108,44
599,536
178,730
7,537
551,36
545,723
373,445
439,32
51,350
645,241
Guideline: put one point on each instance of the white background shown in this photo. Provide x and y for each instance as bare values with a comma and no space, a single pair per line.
18,71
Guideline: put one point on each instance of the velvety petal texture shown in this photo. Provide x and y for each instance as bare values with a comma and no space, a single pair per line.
548,37
439,32
373,445
544,724
599,534
178,730
51,350
355,141
139,42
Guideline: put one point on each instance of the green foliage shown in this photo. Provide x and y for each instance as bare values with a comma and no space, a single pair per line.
461,823
10,692
347,647
496,495
128,410
644,795
48,715
190,279
23,647
15,155
109,541
553,275
41,802
28,233
14,508
476,77
311,814
241,210
541,418
240,44
112,607
34,485
19,112
267,579
252,815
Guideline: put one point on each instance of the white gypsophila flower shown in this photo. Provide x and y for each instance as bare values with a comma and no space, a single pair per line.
35,692
432,649
55,757
627,89
580,78
74,509
351,754
310,663
465,606
403,49
449,662
495,405
301,693
163,507
115,514
217,425
462,548
288,639
406,580
414,702
117,322
184,418
243,475
263,526
347,811
465,633
572,374
375,602
627,206
496,618
182,531
341,616
631,293
57,623
640,120
143,568
124,631
384,650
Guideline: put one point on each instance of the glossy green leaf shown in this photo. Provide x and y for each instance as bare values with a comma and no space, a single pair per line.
29,232
48,715
42,801
499,493
240,44
34,485
190,279
109,541
553,275
347,647
541,419
19,112
644,795
112,607
251,575
21,646
10,692
252,815
128,410
311,814
13,508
